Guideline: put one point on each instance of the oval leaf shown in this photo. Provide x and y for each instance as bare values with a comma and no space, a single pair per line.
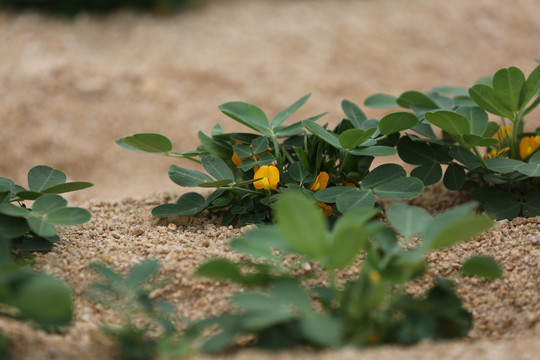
216,167
41,227
69,216
429,173
407,220
149,142
248,115
482,266
187,177
382,174
402,188
397,122
485,98
67,187
322,133
42,177
357,199
353,113
353,137
48,203
454,177
451,122
507,85
381,101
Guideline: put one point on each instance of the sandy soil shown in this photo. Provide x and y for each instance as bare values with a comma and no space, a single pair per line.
70,88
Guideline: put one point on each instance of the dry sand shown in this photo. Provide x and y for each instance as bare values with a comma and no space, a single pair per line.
70,88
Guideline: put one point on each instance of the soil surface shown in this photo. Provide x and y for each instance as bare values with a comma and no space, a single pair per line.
70,88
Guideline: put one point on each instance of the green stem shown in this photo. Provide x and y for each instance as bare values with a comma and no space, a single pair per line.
278,155
479,156
515,146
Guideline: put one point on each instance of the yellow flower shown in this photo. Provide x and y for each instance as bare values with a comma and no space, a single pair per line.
269,175
494,153
325,209
374,276
527,145
504,132
348,184
320,182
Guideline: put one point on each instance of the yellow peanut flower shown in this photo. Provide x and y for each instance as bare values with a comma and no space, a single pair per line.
348,184
320,182
325,209
494,153
504,132
527,145
269,175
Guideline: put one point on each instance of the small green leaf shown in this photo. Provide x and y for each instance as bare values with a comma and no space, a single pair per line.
220,269
302,225
149,142
354,137
507,85
465,157
248,115
532,85
29,195
14,210
214,146
322,133
5,185
48,203
355,199
321,330
415,152
260,242
454,177
382,174
503,165
381,101
298,171
42,177
187,177
215,184
416,98
284,114
478,118
503,208
402,188
67,187
142,272
216,167
69,216
396,122
374,151
330,194
12,227
484,96
482,266
451,122
407,220
531,169
260,144
191,203
166,210
353,113
531,204
40,226
429,173
452,90
476,140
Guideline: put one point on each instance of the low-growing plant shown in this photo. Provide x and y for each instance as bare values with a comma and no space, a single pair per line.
498,161
251,170
23,229
130,297
371,308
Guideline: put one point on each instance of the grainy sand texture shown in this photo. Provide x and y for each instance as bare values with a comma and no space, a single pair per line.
70,88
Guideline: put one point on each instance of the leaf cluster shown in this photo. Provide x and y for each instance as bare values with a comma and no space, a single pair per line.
23,229
300,152
476,153
280,311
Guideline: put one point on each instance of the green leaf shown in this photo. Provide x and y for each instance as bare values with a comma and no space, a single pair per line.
531,204
260,144
220,269
465,157
382,174
353,137
402,188
302,225
321,330
532,85
45,300
503,165
166,210
374,151
396,122
416,98
451,90
349,236
142,272
503,208
482,266
475,140
107,273
216,167
188,204
322,133
6,185
14,210
187,177
298,171
213,146
67,187
291,130
12,227
355,199
28,195
451,122
454,177
262,311
48,203
484,96
353,113
42,177
242,150
415,152
69,216
215,184
40,226
248,115
531,169
149,142
429,173
330,194
407,220
260,242
478,118
381,101
284,114
491,129
507,85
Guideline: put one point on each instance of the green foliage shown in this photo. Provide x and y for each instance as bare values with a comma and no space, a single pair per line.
74,7
500,164
33,229
299,156
130,297
369,309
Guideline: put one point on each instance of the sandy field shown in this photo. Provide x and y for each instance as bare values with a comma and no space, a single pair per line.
70,88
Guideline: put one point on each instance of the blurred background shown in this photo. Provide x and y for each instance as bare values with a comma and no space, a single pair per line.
73,82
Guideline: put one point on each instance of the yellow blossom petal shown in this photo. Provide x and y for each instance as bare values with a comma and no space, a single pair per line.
504,132
320,182
527,145
269,175
325,209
